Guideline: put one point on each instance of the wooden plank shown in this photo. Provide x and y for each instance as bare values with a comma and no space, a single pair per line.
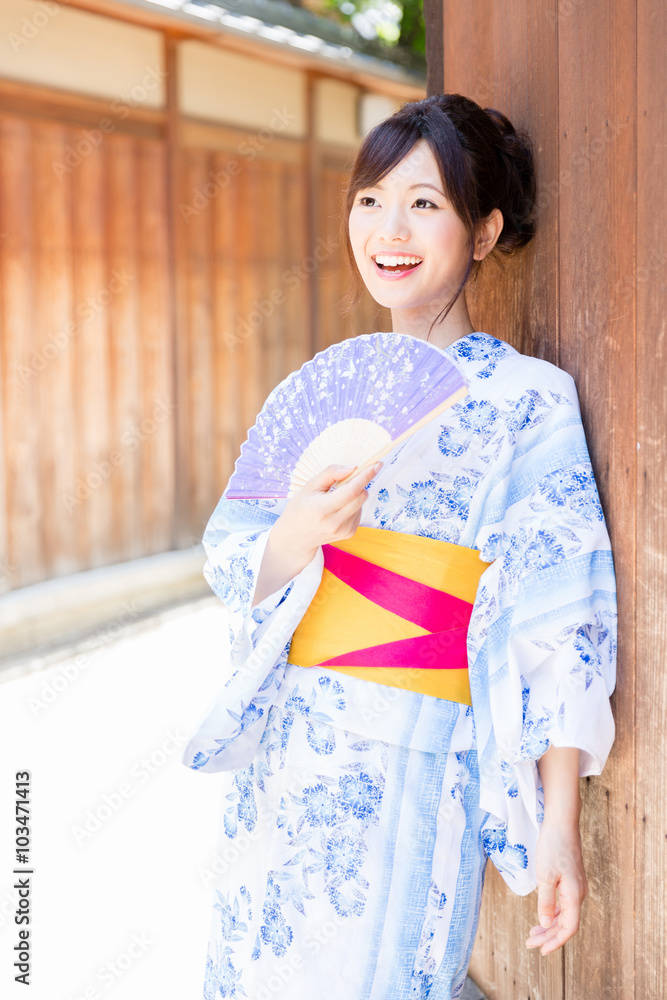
178,198
273,295
160,412
125,344
435,46
597,70
89,342
249,317
228,434
328,279
23,542
504,56
313,193
56,412
651,680
298,347
198,333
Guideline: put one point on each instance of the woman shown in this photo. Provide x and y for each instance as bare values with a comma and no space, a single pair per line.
361,806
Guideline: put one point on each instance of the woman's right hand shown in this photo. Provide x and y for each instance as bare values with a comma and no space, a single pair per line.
312,517
317,514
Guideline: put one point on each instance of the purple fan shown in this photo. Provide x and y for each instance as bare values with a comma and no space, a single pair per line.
350,405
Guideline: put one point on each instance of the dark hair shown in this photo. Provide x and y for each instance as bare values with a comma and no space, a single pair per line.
484,163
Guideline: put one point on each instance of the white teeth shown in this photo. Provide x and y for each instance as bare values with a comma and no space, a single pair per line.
388,261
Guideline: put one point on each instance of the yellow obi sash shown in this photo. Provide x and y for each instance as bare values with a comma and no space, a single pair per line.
393,608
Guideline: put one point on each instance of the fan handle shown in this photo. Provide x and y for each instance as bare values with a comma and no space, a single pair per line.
440,408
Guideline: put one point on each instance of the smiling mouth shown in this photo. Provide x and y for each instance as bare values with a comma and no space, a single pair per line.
399,264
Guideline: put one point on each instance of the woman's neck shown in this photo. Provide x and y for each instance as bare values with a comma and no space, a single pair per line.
456,324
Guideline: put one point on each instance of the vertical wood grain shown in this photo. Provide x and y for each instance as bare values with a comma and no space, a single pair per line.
85,349
124,344
299,338
178,199
53,305
597,168
198,401
159,410
272,294
650,287
23,542
227,433
567,72
503,56
435,45
90,342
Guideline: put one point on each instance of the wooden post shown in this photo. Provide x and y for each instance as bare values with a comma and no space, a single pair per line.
179,359
588,81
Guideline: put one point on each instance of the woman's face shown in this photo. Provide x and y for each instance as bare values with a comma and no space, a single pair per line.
408,214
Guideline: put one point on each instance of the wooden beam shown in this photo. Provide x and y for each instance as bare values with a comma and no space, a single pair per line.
197,133
35,101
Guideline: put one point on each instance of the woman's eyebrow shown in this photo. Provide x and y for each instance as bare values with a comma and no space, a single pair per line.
425,184
421,184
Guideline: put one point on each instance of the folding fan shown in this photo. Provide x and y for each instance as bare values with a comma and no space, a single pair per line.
350,405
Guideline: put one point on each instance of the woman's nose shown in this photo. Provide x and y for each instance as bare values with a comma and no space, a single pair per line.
393,226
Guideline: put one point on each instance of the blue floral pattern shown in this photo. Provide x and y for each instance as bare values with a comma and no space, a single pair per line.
323,769
480,347
223,977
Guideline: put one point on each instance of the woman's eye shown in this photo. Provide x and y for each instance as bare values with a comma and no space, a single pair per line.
426,202
365,198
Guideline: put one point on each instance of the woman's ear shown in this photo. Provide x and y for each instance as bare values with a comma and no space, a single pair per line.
488,234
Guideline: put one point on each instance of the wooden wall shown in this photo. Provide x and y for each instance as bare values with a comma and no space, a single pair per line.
87,448
154,286
588,80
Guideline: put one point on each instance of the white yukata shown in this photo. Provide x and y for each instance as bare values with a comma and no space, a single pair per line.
360,816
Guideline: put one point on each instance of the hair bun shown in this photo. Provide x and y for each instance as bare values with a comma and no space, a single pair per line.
515,149
502,123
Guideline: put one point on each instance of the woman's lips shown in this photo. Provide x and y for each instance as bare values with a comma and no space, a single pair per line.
397,275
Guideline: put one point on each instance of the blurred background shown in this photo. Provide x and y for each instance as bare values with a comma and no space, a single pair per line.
170,189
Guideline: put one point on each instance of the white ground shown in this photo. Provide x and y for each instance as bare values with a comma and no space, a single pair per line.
122,832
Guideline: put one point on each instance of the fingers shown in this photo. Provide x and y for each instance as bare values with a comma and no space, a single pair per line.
538,934
546,903
551,938
349,491
327,477
564,925
364,475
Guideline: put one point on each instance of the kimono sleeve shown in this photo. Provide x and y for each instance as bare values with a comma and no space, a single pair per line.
259,637
543,633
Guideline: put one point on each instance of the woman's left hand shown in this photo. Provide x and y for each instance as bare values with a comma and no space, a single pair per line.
560,870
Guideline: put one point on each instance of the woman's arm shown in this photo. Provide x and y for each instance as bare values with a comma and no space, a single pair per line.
280,563
315,514
559,863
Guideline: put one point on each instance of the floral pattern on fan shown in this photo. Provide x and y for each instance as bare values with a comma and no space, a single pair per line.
350,405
